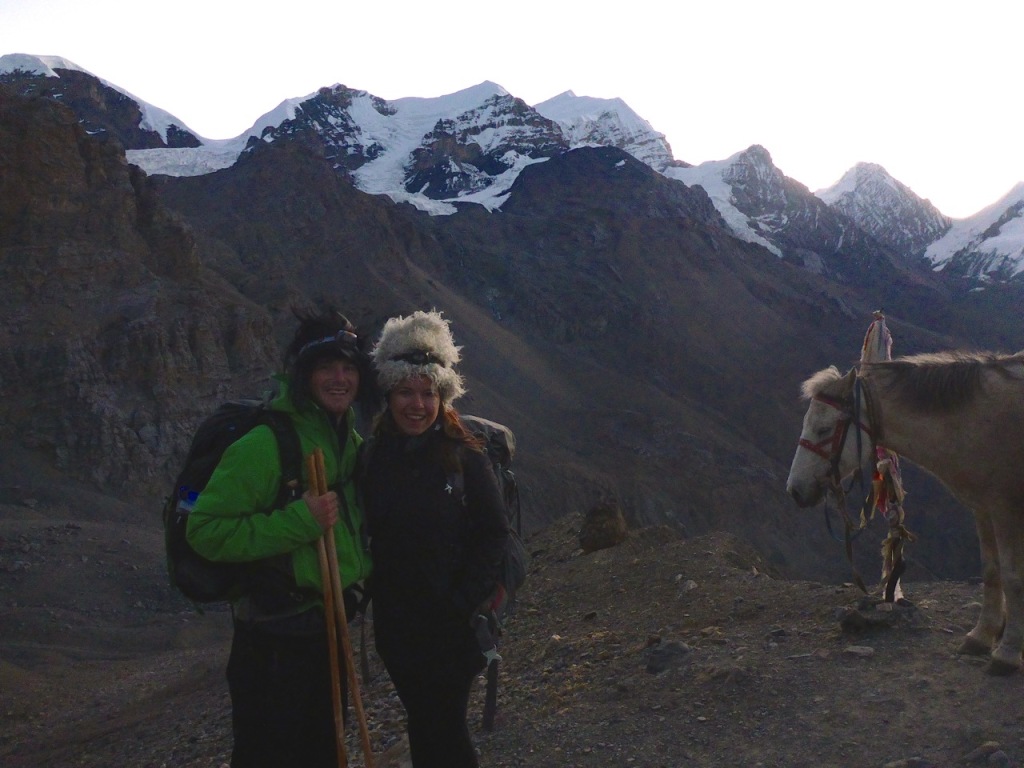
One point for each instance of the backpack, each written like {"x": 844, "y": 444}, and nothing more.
{"x": 500, "y": 446}
{"x": 199, "y": 579}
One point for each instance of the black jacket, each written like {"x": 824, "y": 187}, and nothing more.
{"x": 436, "y": 556}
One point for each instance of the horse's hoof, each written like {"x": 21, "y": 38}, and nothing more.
{"x": 999, "y": 668}
{"x": 973, "y": 647}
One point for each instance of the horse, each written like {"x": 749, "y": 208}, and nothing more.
{"x": 959, "y": 416}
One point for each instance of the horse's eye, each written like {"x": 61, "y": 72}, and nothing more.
{"x": 822, "y": 431}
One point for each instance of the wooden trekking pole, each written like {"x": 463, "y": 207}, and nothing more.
{"x": 314, "y": 469}
{"x": 327, "y": 543}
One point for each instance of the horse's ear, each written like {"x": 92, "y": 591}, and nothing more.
{"x": 849, "y": 379}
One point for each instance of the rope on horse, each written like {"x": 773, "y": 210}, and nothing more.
{"x": 887, "y": 492}
{"x": 887, "y": 496}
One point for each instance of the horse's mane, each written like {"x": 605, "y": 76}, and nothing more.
{"x": 819, "y": 382}
{"x": 940, "y": 381}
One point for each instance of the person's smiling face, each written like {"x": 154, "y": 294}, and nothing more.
{"x": 414, "y": 404}
{"x": 334, "y": 384}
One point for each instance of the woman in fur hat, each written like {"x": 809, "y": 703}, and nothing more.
{"x": 278, "y": 672}
{"x": 436, "y": 552}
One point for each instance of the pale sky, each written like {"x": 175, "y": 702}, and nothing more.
{"x": 929, "y": 89}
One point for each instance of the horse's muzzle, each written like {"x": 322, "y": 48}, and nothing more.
{"x": 801, "y": 499}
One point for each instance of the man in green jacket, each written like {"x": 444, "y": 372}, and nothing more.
{"x": 279, "y": 671}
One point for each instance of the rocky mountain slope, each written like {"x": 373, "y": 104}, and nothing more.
{"x": 108, "y": 308}
{"x": 639, "y": 349}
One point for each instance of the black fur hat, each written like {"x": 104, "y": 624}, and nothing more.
{"x": 326, "y": 334}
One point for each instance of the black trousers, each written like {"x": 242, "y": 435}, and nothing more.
{"x": 436, "y": 700}
{"x": 282, "y": 715}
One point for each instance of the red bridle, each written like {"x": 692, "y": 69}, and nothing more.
{"x": 834, "y": 442}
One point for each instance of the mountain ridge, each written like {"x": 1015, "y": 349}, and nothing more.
{"x": 440, "y": 166}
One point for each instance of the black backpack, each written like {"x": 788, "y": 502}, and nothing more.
{"x": 500, "y": 445}
{"x": 199, "y": 579}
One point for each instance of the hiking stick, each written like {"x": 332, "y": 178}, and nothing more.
{"x": 342, "y": 620}
{"x": 317, "y": 486}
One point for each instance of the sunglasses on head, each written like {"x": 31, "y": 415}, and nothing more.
{"x": 419, "y": 357}
{"x": 347, "y": 340}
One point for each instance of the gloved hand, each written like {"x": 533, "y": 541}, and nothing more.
{"x": 485, "y": 638}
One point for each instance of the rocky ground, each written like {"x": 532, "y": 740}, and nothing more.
{"x": 660, "y": 652}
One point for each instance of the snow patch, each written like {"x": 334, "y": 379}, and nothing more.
{"x": 711, "y": 176}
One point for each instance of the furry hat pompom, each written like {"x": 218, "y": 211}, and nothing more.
{"x": 419, "y": 345}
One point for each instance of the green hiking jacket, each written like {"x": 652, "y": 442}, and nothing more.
{"x": 229, "y": 522}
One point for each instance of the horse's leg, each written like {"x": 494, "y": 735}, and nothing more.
{"x": 979, "y": 641}
{"x": 1010, "y": 541}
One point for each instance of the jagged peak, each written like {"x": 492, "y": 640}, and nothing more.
{"x": 754, "y": 162}
{"x": 340, "y": 88}
{"x": 865, "y": 174}
{"x": 755, "y": 159}
{"x": 868, "y": 179}
{"x": 755, "y": 153}
{"x": 869, "y": 169}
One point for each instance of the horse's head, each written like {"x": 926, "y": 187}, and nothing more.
{"x": 828, "y": 449}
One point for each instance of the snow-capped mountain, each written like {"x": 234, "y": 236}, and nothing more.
{"x": 886, "y": 208}
{"x": 470, "y": 146}
{"x": 762, "y": 205}
{"x": 136, "y": 123}
{"x": 463, "y": 147}
{"x": 717, "y": 178}
{"x": 988, "y": 245}
{"x": 587, "y": 121}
